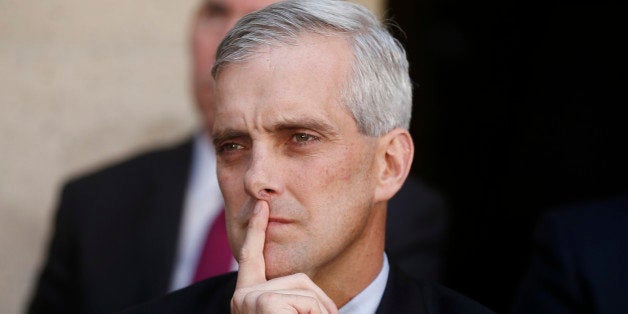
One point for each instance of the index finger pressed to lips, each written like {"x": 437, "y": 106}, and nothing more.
{"x": 252, "y": 268}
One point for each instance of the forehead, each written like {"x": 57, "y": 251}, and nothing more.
{"x": 305, "y": 78}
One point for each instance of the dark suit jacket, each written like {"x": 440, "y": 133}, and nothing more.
{"x": 580, "y": 263}
{"x": 116, "y": 230}
{"x": 402, "y": 295}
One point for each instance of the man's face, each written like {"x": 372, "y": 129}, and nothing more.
{"x": 212, "y": 22}
{"x": 283, "y": 136}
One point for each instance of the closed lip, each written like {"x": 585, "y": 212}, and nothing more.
{"x": 280, "y": 220}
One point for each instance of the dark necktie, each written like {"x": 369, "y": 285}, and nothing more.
{"x": 216, "y": 256}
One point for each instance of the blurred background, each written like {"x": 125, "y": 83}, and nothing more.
{"x": 517, "y": 110}
{"x": 82, "y": 83}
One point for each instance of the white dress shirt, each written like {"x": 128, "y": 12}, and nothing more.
{"x": 202, "y": 204}
{"x": 367, "y": 301}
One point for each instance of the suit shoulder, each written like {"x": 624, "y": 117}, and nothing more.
{"x": 212, "y": 295}
{"x": 440, "y": 299}
{"x": 591, "y": 224}
{"x": 594, "y": 214}
{"x": 130, "y": 169}
{"x": 404, "y": 294}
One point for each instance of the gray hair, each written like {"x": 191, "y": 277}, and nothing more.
{"x": 378, "y": 93}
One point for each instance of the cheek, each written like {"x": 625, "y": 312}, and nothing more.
{"x": 348, "y": 166}
{"x": 349, "y": 182}
{"x": 231, "y": 183}
{"x": 333, "y": 180}
{"x": 235, "y": 233}
{"x": 231, "y": 187}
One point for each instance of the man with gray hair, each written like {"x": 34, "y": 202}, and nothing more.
{"x": 313, "y": 103}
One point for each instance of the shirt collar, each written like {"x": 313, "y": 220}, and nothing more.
{"x": 368, "y": 300}
{"x": 203, "y": 163}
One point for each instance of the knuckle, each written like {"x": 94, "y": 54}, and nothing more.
{"x": 250, "y": 301}
{"x": 238, "y": 295}
{"x": 239, "y": 300}
{"x": 312, "y": 304}
{"x": 266, "y": 298}
{"x": 234, "y": 306}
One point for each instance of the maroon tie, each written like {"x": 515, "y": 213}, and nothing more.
{"x": 216, "y": 255}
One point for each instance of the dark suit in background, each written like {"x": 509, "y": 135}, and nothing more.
{"x": 115, "y": 235}
{"x": 116, "y": 230}
{"x": 402, "y": 295}
{"x": 580, "y": 262}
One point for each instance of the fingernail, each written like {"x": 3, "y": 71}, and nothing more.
{"x": 256, "y": 209}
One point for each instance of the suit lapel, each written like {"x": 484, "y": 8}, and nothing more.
{"x": 402, "y": 295}
{"x": 164, "y": 204}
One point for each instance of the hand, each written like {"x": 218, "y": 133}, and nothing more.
{"x": 290, "y": 294}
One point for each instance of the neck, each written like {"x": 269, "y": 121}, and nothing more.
{"x": 358, "y": 265}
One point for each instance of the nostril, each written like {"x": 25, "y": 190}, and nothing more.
{"x": 265, "y": 194}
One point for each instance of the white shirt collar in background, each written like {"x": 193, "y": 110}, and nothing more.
{"x": 202, "y": 204}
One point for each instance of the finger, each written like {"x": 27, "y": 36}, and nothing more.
{"x": 298, "y": 282}
{"x": 325, "y": 304}
{"x": 270, "y": 302}
{"x": 252, "y": 269}
{"x": 302, "y": 281}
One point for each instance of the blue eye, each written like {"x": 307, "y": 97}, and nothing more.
{"x": 230, "y": 147}
{"x": 303, "y": 137}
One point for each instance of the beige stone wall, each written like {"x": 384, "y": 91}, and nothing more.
{"x": 82, "y": 83}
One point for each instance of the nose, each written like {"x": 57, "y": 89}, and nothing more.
{"x": 262, "y": 178}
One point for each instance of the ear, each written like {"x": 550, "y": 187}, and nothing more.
{"x": 395, "y": 153}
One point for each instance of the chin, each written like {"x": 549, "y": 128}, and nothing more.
{"x": 275, "y": 272}
{"x": 280, "y": 263}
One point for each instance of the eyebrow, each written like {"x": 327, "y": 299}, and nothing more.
{"x": 305, "y": 123}
{"x": 286, "y": 124}
{"x": 227, "y": 134}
